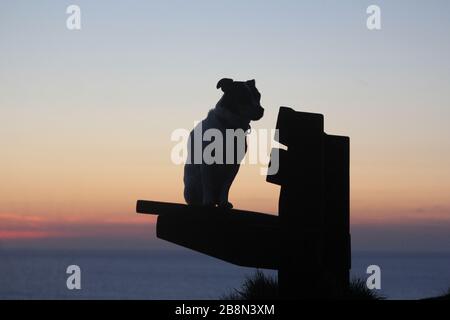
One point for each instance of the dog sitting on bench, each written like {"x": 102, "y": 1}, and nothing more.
{"x": 207, "y": 183}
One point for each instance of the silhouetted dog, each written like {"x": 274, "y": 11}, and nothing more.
{"x": 208, "y": 183}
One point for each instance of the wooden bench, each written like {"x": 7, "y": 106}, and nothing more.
{"x": 308, "y": 242}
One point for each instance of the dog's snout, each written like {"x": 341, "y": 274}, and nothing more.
{"x": 260, "y": 113}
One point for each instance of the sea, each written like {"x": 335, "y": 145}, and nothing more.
{"x": 184, "y": 274}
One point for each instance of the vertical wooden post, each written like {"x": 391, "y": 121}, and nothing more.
{"x": 301, "y": 203}
{"x": 313, "y": 207}
{"x": 337, "y": 213}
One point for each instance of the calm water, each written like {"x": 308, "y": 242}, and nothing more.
{"x": 187, "y": 275}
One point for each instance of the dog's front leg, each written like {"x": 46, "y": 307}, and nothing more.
{"x": 209, "y": 186}
{"x": 223, "y": 202}
{"x": 229, "y": 172}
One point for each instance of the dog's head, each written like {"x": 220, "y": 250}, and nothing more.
{"x": 241, "y": 98}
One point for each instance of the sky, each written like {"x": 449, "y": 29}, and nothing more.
{"x": 86, "y": 115}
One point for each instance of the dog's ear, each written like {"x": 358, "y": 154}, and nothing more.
{"x": 224, "y": 84}
{"x": 251, "y": 82}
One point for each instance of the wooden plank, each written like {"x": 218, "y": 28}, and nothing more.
{"x": 159, "y": 208}
{"x": 293, "y": 125}
{"x": 280, "y": 177}
{"x": 301, "y": 204}
{"x": 244, "y": 238}
{"x": 225, "y": 237}
{"x": 337, "y": 211}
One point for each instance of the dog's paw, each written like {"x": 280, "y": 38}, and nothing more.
{"x": 227, "y": 205}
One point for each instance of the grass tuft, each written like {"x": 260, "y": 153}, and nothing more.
{"x": 262, "y": 287}
{"x": 445, "y": 296}
{"x": 256, "y": 287}
{"x": 358, "y": 291}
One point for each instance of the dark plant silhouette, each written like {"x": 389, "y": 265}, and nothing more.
{"x": 445, "y": 296}
{"x": 256, "y": 287}
{"x": 358, "y": 291}
{"x": 262, "y": 287}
